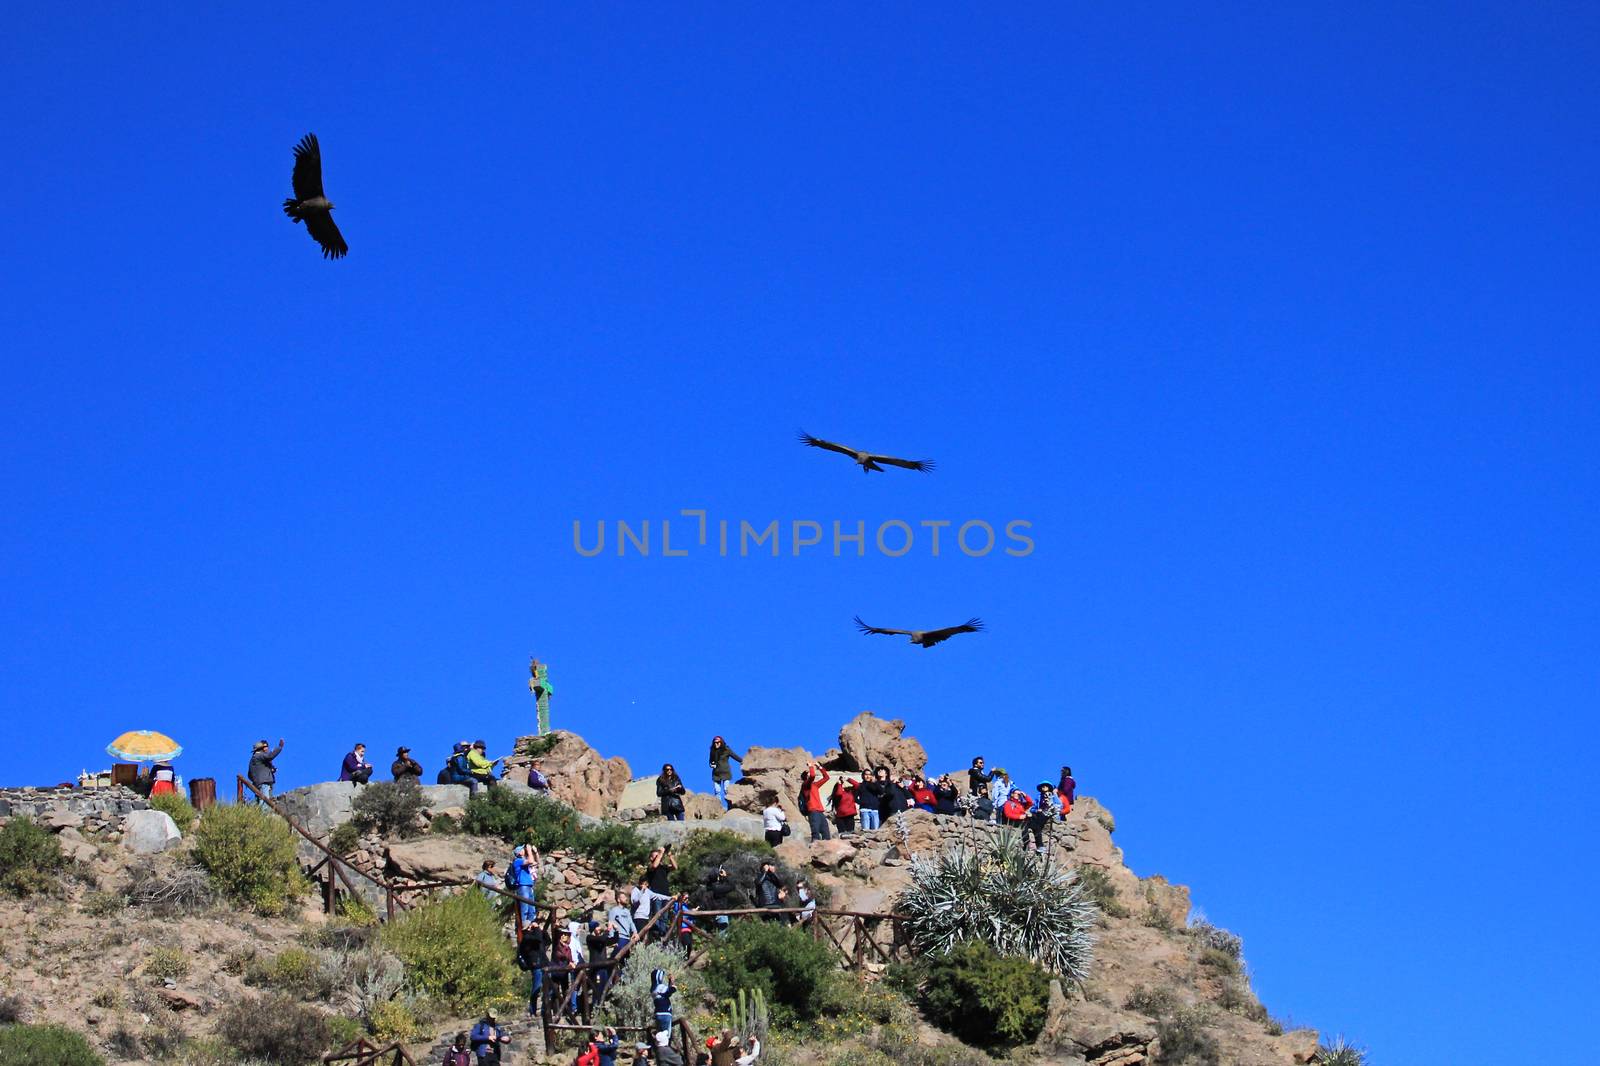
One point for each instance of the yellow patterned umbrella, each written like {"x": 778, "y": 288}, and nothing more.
{"x": 144, "y": 745}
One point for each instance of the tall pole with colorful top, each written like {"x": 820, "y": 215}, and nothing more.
{"x": 539, "y": 685}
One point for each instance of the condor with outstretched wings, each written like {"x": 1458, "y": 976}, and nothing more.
{"x": 308, "y": 204}
{"x": 868, "y": 461}
{"x": 925, "y": 638}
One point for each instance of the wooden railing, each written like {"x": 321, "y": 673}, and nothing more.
{"x": 362, "y": 1052}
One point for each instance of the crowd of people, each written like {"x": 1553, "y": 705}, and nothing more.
{"x": 831, "y": 801}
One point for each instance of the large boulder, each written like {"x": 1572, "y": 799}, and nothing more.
{"x": 442, "y": 798}
{"x": 741, "y": 822}
{"x": 579, "y": 776}
{"x": 774, "y": 769}
{"x": 443, "y": 858}
{"x": 320, "y": 808}
{"x": 870, "y": 742}
{"x": 149, "y": 832}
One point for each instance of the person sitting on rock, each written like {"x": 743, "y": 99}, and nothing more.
{"x": 813, "y": 803}
{"x": 721, "y": 772}
{"x": 1066, "y": 791}
{"x": 1043, "y": 812}
{"x": 405, "y": 769}
{"x": 356, "y": 769}
{"x": 845, "y": 807}
{"x": 670, "y": 791}
{"x": 1015, "y": 809}
{"x": 537, "y": 782}
{"x": 455, "y": 770}
{"x": 480, "y": 766}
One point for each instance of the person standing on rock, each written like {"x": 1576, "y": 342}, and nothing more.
{"x": 774, "y": 821}
{"x": 769, "y": 890}
{"x": 488, "y": 881}
{"x": 1066, "y": 791}
{"x": 946, "y": 795}
{"x": 999, "y": 792}
{"x": 533, "y": 955}
{"x": 845, "y": 807}
{"x": 522, "y": 878}
{"x": 978, "y": 779}
{"x": 356, "y": 769}
{"x": 620, "y": 920}
{"x": 643, "y": 907}
{"x": 263, "y": 773}
{"x": 405, "y": 769}
{"x": 721, "y": 772}
{"x": 487, "y": 1040}
{"x": 812, "y": 801}
{"x": 670, "y": 791}
{"x": 869, "y": 799}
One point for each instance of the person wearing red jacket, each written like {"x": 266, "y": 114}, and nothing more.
{"x": 846, "y": 806}
{"x": 1016, "y": 807}
{"x": 923, "y": 796}
{"x": 813, "y": 803}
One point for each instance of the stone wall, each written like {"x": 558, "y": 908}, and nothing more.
{"x": 93, "y": 808}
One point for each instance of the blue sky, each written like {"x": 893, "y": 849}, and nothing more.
{"x": 1277, "y": 325}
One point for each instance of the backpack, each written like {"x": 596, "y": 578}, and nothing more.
{"x": 458, "y": 762}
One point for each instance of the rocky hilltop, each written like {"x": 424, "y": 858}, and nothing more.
{"x": 1153, "y": 960}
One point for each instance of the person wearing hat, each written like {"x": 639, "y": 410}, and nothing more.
{"x": 405, "y": 769}
{"x": 480, "y": 766}
{"x": 263, "y": 774}
{"x": 521, "y": 878}
{"x": 1040, "y": 815}
{"x": 488, "y": 1039}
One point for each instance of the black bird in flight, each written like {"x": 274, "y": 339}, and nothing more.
{"x": 867, "y": 460}
{"x": 308, "y": 204}
{"x": 926, "y": 638}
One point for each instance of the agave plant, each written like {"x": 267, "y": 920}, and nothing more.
{"x": 1340, "y": 1053}
{"x": 989, "y": 887}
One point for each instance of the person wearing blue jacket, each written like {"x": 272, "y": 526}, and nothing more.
{"x": 487, "y": 1039}
{"x": 521, "y": 879}
{"x": 606, "y": 1044}
{"x": 661, "y": 989}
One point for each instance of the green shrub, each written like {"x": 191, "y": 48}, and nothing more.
{"x": 536, "y": 820}
{"x": 167, "y": 964}
{"x": 1098, "y": 887}
{"x": 1156, "y": 918}
{"x": 345, "y": 838}
{"x": 984, "y": 998}
{"x": 617, "y": 851}
{"x": 991, "y": 888}
{"x": 250, "y": 855}
{"x": 793, "y": 971}
{"x": 29, "y": 858}
{"x": 1154, "y": 1002}
{"x": 293, "y": 970}
{"x": 444, "y": 825}
{"x": 628, "y": 1002}
{"x": 392, "y": 1020}
{"x": 538, "y": 747}
{"x": 453, "y": 950}
{"x": 356, "y": 911}
{"x": 176, "y": 807}
{"x": 25, "y": 1045}
{"x": 277, "y": 1028}
{"x": 388, "y": 808}
{"x": 704, "y": 850}
{"x": 1186, "y": 1039}
{"x": 1221, "y": 961}
{"x": 1216, "y": 938}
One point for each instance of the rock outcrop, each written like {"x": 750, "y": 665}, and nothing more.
{"x": 149, "y": 832}
{"x": 869, "y": 742}
{"x": 580, "y": 776}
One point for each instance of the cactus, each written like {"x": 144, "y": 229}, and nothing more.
{"x": 747, "y": 1013}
